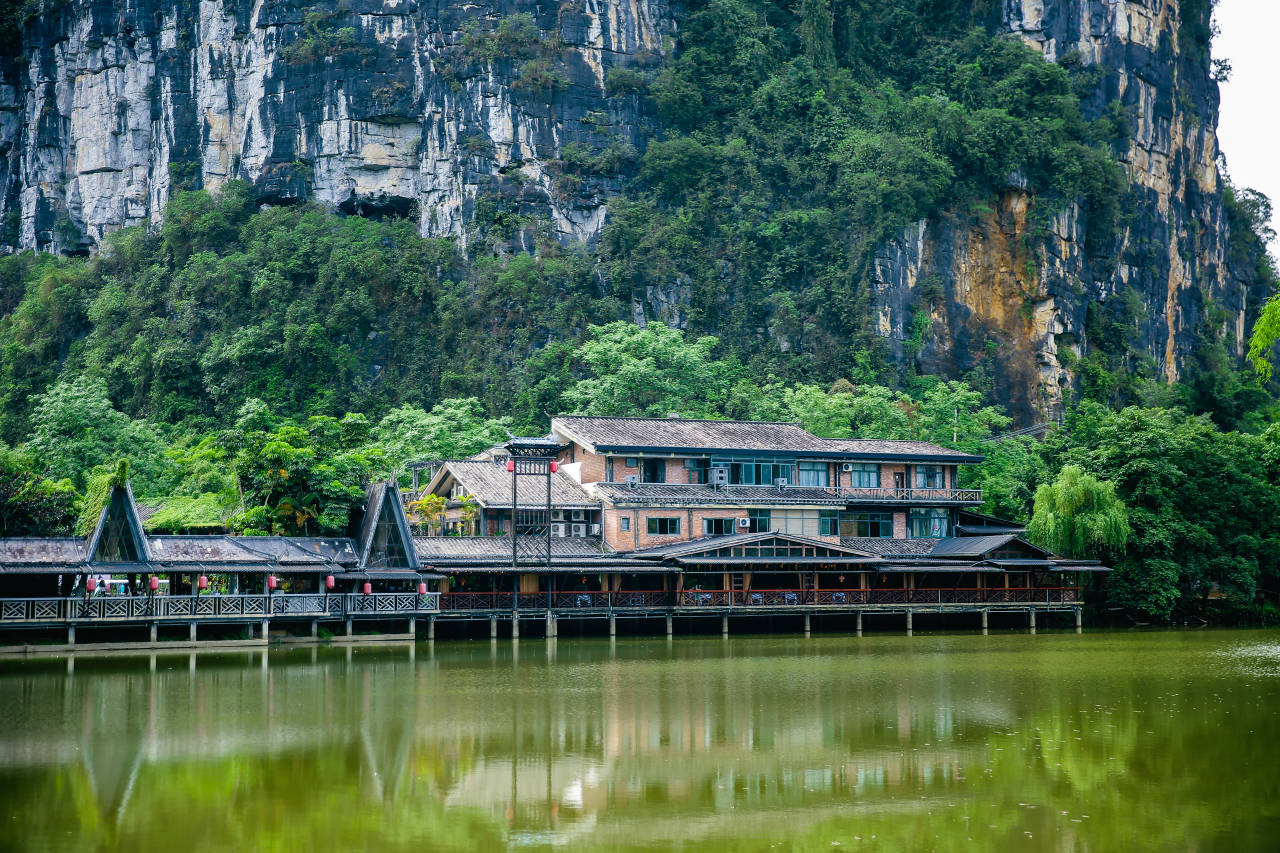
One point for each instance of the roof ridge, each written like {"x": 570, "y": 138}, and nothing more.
{"x": 682, "y": 418}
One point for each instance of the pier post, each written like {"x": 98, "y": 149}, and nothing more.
{"x": 413, "y": 626}
{"x": 153, "y": 633}
{"x": 669, "y": 627}
{"x": 1031, "y": 620}
{"x": 909, "y": 615}
{"x": 613, "y": 625}
{"x": 984, "y": 622}
{"x": 431, "y": 628}
{"x": 551, "y": 625}
{"x": 348, "y": 627}
{"x": 859, "y": 623}
{"x": 724, "y": 626}
{"x": 191, "y": 631}
{"x": 806, "y": 624}
{"x": 71, "y": 635}
{"x": 315, "y": 629}
{"x": 1078, "y": 621}
{"x": 515, "y": 627}
{"x": 493, "y": 627}
{"x": 265, "y": 626}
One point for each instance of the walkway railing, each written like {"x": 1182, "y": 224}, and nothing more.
{"x": 904, "y": 495}
{"x": 197, "y": 607}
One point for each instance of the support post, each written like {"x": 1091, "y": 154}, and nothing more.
{"x": 265, "y": 626}
{"x": 1079, "y": 623}
{"x": 669, "y": 626}
{"x": 348, "y": 626}
{"x": 153, "y": 633}
{"x": 724, "y": 626}
{"x": 806, "y": 624}
{"x": 71, "y": 635}
{"x": 493, "y": 627}
{"x": 859, "y": 623}
{"x": 315, "y": 629}
{"x": 515, "y": 626}
{"x": 984, "y": 622}
{"x": 613, "y": 625}
{"x": 191, "y": 631}
{"x": 1031, "y": 620}
{"x": 909, "y": 615}
{"x": 431, "y": 628}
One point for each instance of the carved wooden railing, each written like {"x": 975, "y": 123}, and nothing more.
{"x": 111, "y": 608}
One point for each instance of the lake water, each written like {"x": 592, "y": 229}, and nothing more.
{"x": 1101, "y": 741}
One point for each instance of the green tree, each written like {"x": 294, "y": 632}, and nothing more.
{"x": 453, "y": 429}
{"x": 1079, "y": 516}
{"x": 30, "y": 504}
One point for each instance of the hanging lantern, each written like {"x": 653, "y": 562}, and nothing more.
{"x": 367, "y": 588}
{"x": 91, "y": 583}
{"x": 511, "y": 465}
{"x": 202, "y": 582}
{"x": 153, "y": 583}
{"x": 422, "y": 588}
{"x": 328, "y": 581}
{"x": 271, "y": 581}
{"x": 555, "y": 466}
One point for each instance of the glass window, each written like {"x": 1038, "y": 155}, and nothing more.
{"x": 624, "y": 524}
{"x": 872, "y": 525}
{"x": 812, "y": 474}
{"x": 864, "y": 475}
{"x": 608, "y": 469}
{"x": 931, "y": 477}
{"x": 718, "y": 526}
{"x": 928, "y": 524}
{"x": 697, "y": 469}
{"x": 758, "y": 520}
{"x": 756, "y": 472}
{"x": 663, "y": 526}
{"x": 828, "y": 522}
{"x": 655, "y": 471}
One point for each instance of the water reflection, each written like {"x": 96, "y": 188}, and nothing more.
{"x": 1149, "y": 741}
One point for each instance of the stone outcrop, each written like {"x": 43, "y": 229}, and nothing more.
{"x": 413, "y": 106}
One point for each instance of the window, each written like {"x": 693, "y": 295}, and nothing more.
{"x": 630, "y": 462}
{"x": 871, "y": 525}
{"x": 608, "y": 469}
{"x": 718, "y": 526}
{"x": 663, "y": 526}
{"x": 931, "y": 477}
{"x": 756, "y": 472}
{"x": 864, "y": 475}
{"x": 759, "y": 520}
{"x": 828, "y": 522}
{"x": 655, "y": 471}
{"x": 697, "y": 469}
{"x": 812, "y": 474}
{"x": 928, "y": 524}
{"x": 624, "y": 524}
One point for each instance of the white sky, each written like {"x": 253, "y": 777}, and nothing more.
{"x": 1249, "y": 124}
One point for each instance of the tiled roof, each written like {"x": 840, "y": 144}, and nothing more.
{"x": 434, "y": 548}
{"x": 338, "y": 549}
{"x": 886, "y": 547}
{"x": 715, "y": 543}
{"x": 204, "y": 549}
{"x": 978, "y": 546}
{"x": 674, "y": 434}
{"x": 490, "y": 483}
{"x": 32, "y": 551}
{"x": 671, "y": 493}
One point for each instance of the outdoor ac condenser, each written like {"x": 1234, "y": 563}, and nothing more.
{"x": 579, "y": 530}
{"x": 557, "y": 530}
{"x": 718, "y": 476}
{"x": 744, "y": 522}
{"x": 595, "y": 530}
{"x": 847, "y": 467}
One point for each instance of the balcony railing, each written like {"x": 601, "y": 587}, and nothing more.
{"x": 934, "y": 496}
{"x": 197, "y": 607}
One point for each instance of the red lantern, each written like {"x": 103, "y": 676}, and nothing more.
{"x": 271, "y": 581}
{"x": 328, "y": 581}
{"x": 153, "y": 583}
{"x": 555, "y": 466}
{"x": 511, "y": 464}
{"x": 422, "y": 588}
{"x": 367, "y": 588}
{"x": 91, "y": 584}
{"x": 202, "y": 582}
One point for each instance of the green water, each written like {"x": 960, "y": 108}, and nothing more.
{"x": 1105, "y": 741}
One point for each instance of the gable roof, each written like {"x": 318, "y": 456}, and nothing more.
{"x": 709, "y": 545}
{"x": 490, "y": 484}
{"x": 384, "y": 529}
{"x": 118, "y": 533}
{"x": 974, "y": 547}
{"x": 671, "y": 435}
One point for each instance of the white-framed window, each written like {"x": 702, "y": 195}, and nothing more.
{"x": 718, "y": 526}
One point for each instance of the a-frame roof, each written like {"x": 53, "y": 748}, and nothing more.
{"x": 384, "y": 530}
{"x": 118, "y": 536}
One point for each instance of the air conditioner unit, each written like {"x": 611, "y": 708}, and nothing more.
{"x": 780, "y": 481}
{"x": 578, "y": 515}
{"x": 595, "y": 530}
{"x": 718, "y": 476}
{"x": 557, "y": 515}
{"x": 557, "y": 530}
{"x": 633, "y": 479}
{"x": 579, "y": 530}
{"x": 744, "y": 522}
{"x": 847, "y": 467}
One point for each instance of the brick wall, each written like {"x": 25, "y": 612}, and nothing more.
{"x": 899, "y": 525}
{"x": 639, "y": 537}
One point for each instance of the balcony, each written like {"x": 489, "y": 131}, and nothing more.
{"x": 908, "y": 496}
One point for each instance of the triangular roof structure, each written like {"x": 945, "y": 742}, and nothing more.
{"x": 385, "y": 540}
{"x": 118, "y": 536}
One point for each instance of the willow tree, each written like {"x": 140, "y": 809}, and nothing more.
{"x": 1078, "y": 515}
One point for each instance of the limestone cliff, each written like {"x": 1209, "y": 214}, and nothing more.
{"x": 994, "y": 284}
{"x": 405, "y": 105}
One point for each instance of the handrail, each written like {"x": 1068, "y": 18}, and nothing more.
{"x": 112, "y": 608}
{"x": 905, "y": 494}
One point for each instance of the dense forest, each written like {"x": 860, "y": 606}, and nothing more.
{"x": 255, "y": 364}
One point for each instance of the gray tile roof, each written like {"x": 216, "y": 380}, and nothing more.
{"x": 33, "y": 551}
{"x": 886, "y": 547}
{"x": 675, "y": 434}
{"x": 205, "y": 549}
{"x": 979, "y": 546}
{"x": 436, "y": 548}
{"x": 675, "y": 494}
{"x": 713, "y": 543}
{"x": 491, "y": 485}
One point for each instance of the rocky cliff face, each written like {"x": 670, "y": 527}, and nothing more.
{"x": 423, "y": 106}
{"x": 1000, "y": 285}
